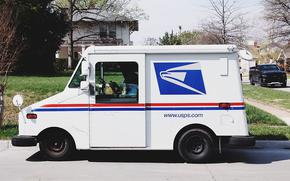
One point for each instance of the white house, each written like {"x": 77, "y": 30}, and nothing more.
{"x": 246, "y": 61}
{"x": 101, "y": 30}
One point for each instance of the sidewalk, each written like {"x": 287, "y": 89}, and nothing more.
{"x": 281, "y": 114}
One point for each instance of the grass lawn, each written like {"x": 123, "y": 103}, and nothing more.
{"x": 262, "y": 124}
{"x": 33, "y": 89}
{"x": 257, "y": 116}
{"x": 266, "y": 95}
{"x": 8, "y": 131}
{"x": 266, "y": 132}
{"x": 266, "y": 126}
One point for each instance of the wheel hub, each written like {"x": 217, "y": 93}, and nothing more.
{"x": 196, "y": 145}
{"x": 56, "y": 144}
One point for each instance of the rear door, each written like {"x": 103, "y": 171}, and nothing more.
{"x": 117, "y": 108}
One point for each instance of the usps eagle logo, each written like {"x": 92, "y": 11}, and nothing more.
{"x": 180, "y": 78}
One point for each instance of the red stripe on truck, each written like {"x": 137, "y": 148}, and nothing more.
{"x": 141, "y": 105}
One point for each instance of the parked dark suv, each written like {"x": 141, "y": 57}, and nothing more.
{"x": 267, "y": 74}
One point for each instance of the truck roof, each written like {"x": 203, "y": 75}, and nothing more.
{"x": 161, "y": 49}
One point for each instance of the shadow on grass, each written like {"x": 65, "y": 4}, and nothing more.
{"x": 249, "y": 156}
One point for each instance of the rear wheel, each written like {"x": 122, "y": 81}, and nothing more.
{"x": 196, "y": 145}
{"x": 56, "y": 145}
{"x": 252, "y": 81}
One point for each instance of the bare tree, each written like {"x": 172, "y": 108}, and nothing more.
{"x": 93, "y": 10}
{"x": 10, "y": 47}
{"x": 151, "y": 41}
{"x": 277, "y": 13}
{"x": 226, "y": 25}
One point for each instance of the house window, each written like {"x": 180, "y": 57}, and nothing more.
{"x": 117, "y": 82}
{"x": 103, "y": 31}
{"x": 112, "y": 31}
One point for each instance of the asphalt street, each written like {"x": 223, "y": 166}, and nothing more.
{"x": 269, "y": 160}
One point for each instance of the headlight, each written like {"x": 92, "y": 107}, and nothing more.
{"x": 264, "y": 75}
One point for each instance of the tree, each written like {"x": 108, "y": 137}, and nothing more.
{"x": 277, "y": 12}
{"x": 92, "y": 10}
{"x": 186, "y": 38}
{"x": 195, "y": 37}
{"x": 42, "y": 29}
{"x": 10, "y": 46}
{"x": 150, "y": 41}
{"x": 170, "y": 39}
{"x": 226, "y": 25}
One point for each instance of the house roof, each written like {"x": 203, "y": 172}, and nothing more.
{"x": 94, "y": 16}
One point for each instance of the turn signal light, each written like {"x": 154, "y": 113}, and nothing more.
{"x": 225, "y": 105}
{"x": 31, "y": 116}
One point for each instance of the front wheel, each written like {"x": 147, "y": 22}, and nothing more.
{"x": 56, "y": 145}
{"x": 261, "y": 83}
{"x": 284, "y": 84}
{"x": 196, "y": 145}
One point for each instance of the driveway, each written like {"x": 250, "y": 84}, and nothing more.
{"x": 269, "y": 160}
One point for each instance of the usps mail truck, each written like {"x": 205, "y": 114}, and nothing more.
{"x": 183, "y": 98}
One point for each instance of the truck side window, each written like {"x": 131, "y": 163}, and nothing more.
{"x": 116, "y": 82}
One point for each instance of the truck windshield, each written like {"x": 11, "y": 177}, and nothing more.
{"x": 269, "y": 67}
{"x": 77, "y": 78}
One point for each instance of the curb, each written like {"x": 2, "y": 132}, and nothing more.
{"x": 5, "y": 144}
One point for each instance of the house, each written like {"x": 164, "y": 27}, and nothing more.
{"x": 246, "y": 62}
{"x": 266, "y": 52}
{"x": 102, "y": 30}
{"x": 284, "y": 58}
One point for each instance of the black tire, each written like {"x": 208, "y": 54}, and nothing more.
{"x": 284, "y": 84}
{"x": 261, "y": 83}
{"x": 196, "y": 145}
{"x": 251, "y": 81}
{"x": 57, "y": 145}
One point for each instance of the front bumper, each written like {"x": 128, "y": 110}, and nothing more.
{"x": 24, "y": 141}
{"x": 273, "y": 80}
{"x": 241, "y": 141}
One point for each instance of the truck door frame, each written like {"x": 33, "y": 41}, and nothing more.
{"x": 132, "y": 132}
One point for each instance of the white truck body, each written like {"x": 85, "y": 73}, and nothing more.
{"x": 178, "y": 86}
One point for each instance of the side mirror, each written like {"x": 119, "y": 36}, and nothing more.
{"x": 84, "y": 85}
{"x": 85, "y": 68}
{"x": 17, "y": 101}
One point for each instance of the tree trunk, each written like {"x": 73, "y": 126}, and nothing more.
{"x": 70, "y": 51}
{"x": 70, "y": 38}
{"x": 1, "y": 105}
